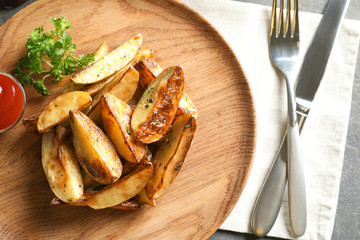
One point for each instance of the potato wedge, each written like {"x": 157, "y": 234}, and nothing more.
{"x": 124, "y": 189}
{"x": 126, "y": 87}
{"x": 95, "y": 152}
{"x": 156, "y": 109}
{"x": 148, "y": 70}
{"x": 131, "y": 204}
{"x": 116, "y": 115}
{"x": 123, "y": 89}
{"x": 57, "y": 111}
{"x": 171, "y": 154}
{"x": 109, "y": 64}
{"x": 61, "y": 168}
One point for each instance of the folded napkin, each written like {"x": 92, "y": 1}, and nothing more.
{"x": 246, "y": 28}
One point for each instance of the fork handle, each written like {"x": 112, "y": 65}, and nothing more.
{"x": 296, "y": 181}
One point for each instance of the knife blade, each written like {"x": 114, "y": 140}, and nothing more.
{"x": 268, "y": 202}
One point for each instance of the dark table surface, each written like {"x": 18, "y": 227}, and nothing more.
{"x": 347, "y": 221}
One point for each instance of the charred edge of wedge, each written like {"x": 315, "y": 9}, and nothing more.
{"x": 163, "y": 110}
{"x": 131, "y": 204}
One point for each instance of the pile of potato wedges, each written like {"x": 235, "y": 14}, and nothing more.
{"x": 116, "y": 135}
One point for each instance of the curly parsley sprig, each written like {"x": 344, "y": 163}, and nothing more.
{"x": 51, "y": 55}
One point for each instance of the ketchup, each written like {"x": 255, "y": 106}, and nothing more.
{"x": 12, "y": 101}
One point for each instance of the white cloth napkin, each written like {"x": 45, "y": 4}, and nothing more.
{"x": 246, "y": 28}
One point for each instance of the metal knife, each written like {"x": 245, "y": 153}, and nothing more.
{"x": 268, "y": 202}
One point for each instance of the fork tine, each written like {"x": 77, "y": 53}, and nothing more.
{"x": 281, "y": 19}
{"x": 296, "y": 20}
{"x": 273, "y": 21}
{"x": 288, "y": 26}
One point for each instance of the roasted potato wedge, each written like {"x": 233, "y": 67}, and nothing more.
{"x": 96, "y": 154}
{"x": 170, "y": 155}
{"x": 116, "y": 115}
{"x": 61, "y": 168}
{"x": 124, "y": 189}
{"x": 123, "y": 89}
{"x": 109, "y": 64}
{"x": 131, "y": 204}
{"x": 148, "y": 70}
{"x": 156, "y": 109}
{"x": 126, "y": 87}
{"x": 57, "y": 111}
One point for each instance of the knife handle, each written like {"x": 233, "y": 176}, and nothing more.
{"x": 268, "y": 202}
{"x": 296, "y": 181}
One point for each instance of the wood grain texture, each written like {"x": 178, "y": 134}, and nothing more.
{"x": 218, "y": 163}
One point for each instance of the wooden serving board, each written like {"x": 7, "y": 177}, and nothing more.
{"x": 218, "y": 163}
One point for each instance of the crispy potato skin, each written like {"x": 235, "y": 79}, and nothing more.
{"x": 116, "y": 115}
{"x": 148, "y": 70}
{"x": 122, "y": 190}
{"x": 162, "y": 113}
{"x": 61, "y": 168}
{"x": 57, "y": 111}
{"x": 95, "y": 152}
{"x": 170, "y": 156}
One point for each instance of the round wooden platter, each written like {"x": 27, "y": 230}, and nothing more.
{"x": 216, "y": 167}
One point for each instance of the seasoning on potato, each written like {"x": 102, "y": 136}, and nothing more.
{"x": 156, "y": 109}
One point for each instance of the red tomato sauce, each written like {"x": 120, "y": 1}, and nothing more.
{"x": 11, "y": 102}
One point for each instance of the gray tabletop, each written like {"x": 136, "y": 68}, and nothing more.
{"x": 347, "y": 221}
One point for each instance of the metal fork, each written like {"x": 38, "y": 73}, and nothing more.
{"x": 284, "y": 50}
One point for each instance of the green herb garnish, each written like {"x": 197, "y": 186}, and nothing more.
{"x": 177, "y": 167}
{"x": 49, "y": 55}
